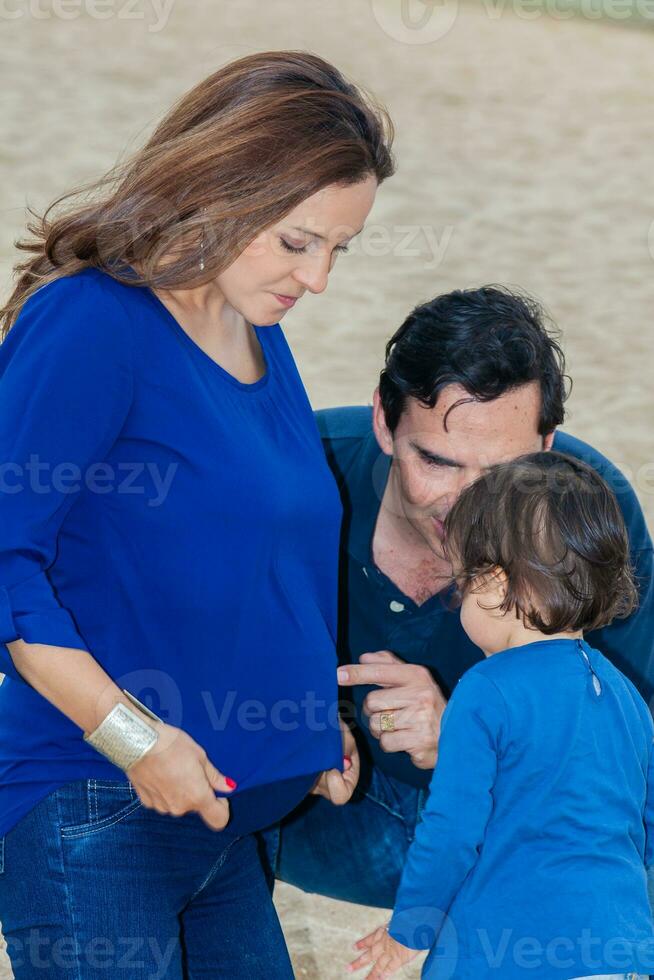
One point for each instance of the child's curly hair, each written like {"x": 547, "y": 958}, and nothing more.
{"x": 553, "y": 525}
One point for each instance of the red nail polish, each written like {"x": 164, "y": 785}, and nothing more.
{"x": 230, "y": 782}
{"x": 346, "y": 758}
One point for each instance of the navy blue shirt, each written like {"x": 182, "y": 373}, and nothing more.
{"x": 178, "y": 524}
{"x": 375, "y": 614}
{"x": 530, "y": 857}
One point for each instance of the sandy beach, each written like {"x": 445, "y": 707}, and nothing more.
{"x": 524, "y": 158}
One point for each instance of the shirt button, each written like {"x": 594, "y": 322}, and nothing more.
{"x": 397, "y": 606}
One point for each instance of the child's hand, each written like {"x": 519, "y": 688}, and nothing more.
{"x": 384, "y": 953}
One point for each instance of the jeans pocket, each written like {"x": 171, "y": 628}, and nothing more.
{"x": 97, "y": 805}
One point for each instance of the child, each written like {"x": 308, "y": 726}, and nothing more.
{"x": 530, "y": 857}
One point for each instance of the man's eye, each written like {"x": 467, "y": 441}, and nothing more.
{"x": 292, "y": 248}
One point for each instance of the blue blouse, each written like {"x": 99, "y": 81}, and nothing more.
{"x": 178, "y": 524}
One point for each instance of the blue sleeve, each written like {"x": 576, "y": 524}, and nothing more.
{"x": 649, "y": 810}
{"x": 474, "y": 729}
{"x": 65, "y": 389}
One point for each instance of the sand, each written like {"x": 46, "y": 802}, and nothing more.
{"x": 524, "y": 151}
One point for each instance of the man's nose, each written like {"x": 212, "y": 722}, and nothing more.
{"x": 446, "y": 505}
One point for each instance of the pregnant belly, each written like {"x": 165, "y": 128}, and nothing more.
{"x": 261, "y": 806}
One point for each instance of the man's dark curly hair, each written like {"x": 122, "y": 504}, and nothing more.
{"x": 487, "y": 340}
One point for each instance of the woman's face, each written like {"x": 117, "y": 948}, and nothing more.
{"x": 296, "y": 254}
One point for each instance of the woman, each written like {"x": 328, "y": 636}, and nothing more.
{"x": 169, "y": 533}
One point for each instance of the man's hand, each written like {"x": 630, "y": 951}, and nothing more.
{"x": 337, "y": 786}
{"x": 383, "y": 952}
{"x": 411, "y": 693}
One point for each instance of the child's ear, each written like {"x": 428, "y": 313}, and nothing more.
{"x": 497, "y": 585}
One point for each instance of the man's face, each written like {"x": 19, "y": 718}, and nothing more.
{"x": 432, "y": 464}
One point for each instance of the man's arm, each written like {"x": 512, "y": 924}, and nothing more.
{"x": 629, "y": 643}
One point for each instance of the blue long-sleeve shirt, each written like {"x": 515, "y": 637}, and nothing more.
{"x": 179, "y": 525}
{"x": 530, "y": 857}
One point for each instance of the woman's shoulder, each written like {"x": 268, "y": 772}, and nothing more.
{"x": 85, "y": 303}
{"x": 90, "y": 287}
{"x": 70, "y": 318}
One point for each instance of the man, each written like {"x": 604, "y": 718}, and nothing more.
{"x": 471, "y": 378}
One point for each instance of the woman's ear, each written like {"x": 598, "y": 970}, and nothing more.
{"x": 382, "y": 433}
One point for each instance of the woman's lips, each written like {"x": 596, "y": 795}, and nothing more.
{"x": 286, "y": 301}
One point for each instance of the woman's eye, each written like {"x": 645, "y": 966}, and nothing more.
{"x": 292, "y": 248}
{"x": 299, "y": 249}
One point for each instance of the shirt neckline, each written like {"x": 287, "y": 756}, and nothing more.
{"x": 570, "y": 641}
{"x": 202, "y": 354}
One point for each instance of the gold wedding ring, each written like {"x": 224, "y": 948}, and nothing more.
{"x": 387, "y": 721}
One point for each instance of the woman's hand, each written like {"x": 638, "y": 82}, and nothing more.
{"x": 176, "y": 776}
{"x": 337, "y": 786}
{"x": 383, "y": 952}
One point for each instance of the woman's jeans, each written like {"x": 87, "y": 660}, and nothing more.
{"x": 94, "y": 884}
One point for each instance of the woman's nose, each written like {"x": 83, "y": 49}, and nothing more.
{"x": 315, "y": 277}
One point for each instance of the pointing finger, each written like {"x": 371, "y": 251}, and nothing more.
{"x": 380, "y": 656}
{"x": 382, "y": 674}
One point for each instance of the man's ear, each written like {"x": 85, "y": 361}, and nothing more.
{"x": 548, "y": 440}
{"x": 382, "y": 433}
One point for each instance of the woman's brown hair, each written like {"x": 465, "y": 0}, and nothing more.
{"x": 554, "y": 527}
{"x": 231, "y": 157}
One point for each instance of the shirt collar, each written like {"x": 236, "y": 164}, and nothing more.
{"x": 366, "y": 491}
{"x": 570, "y": 641}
